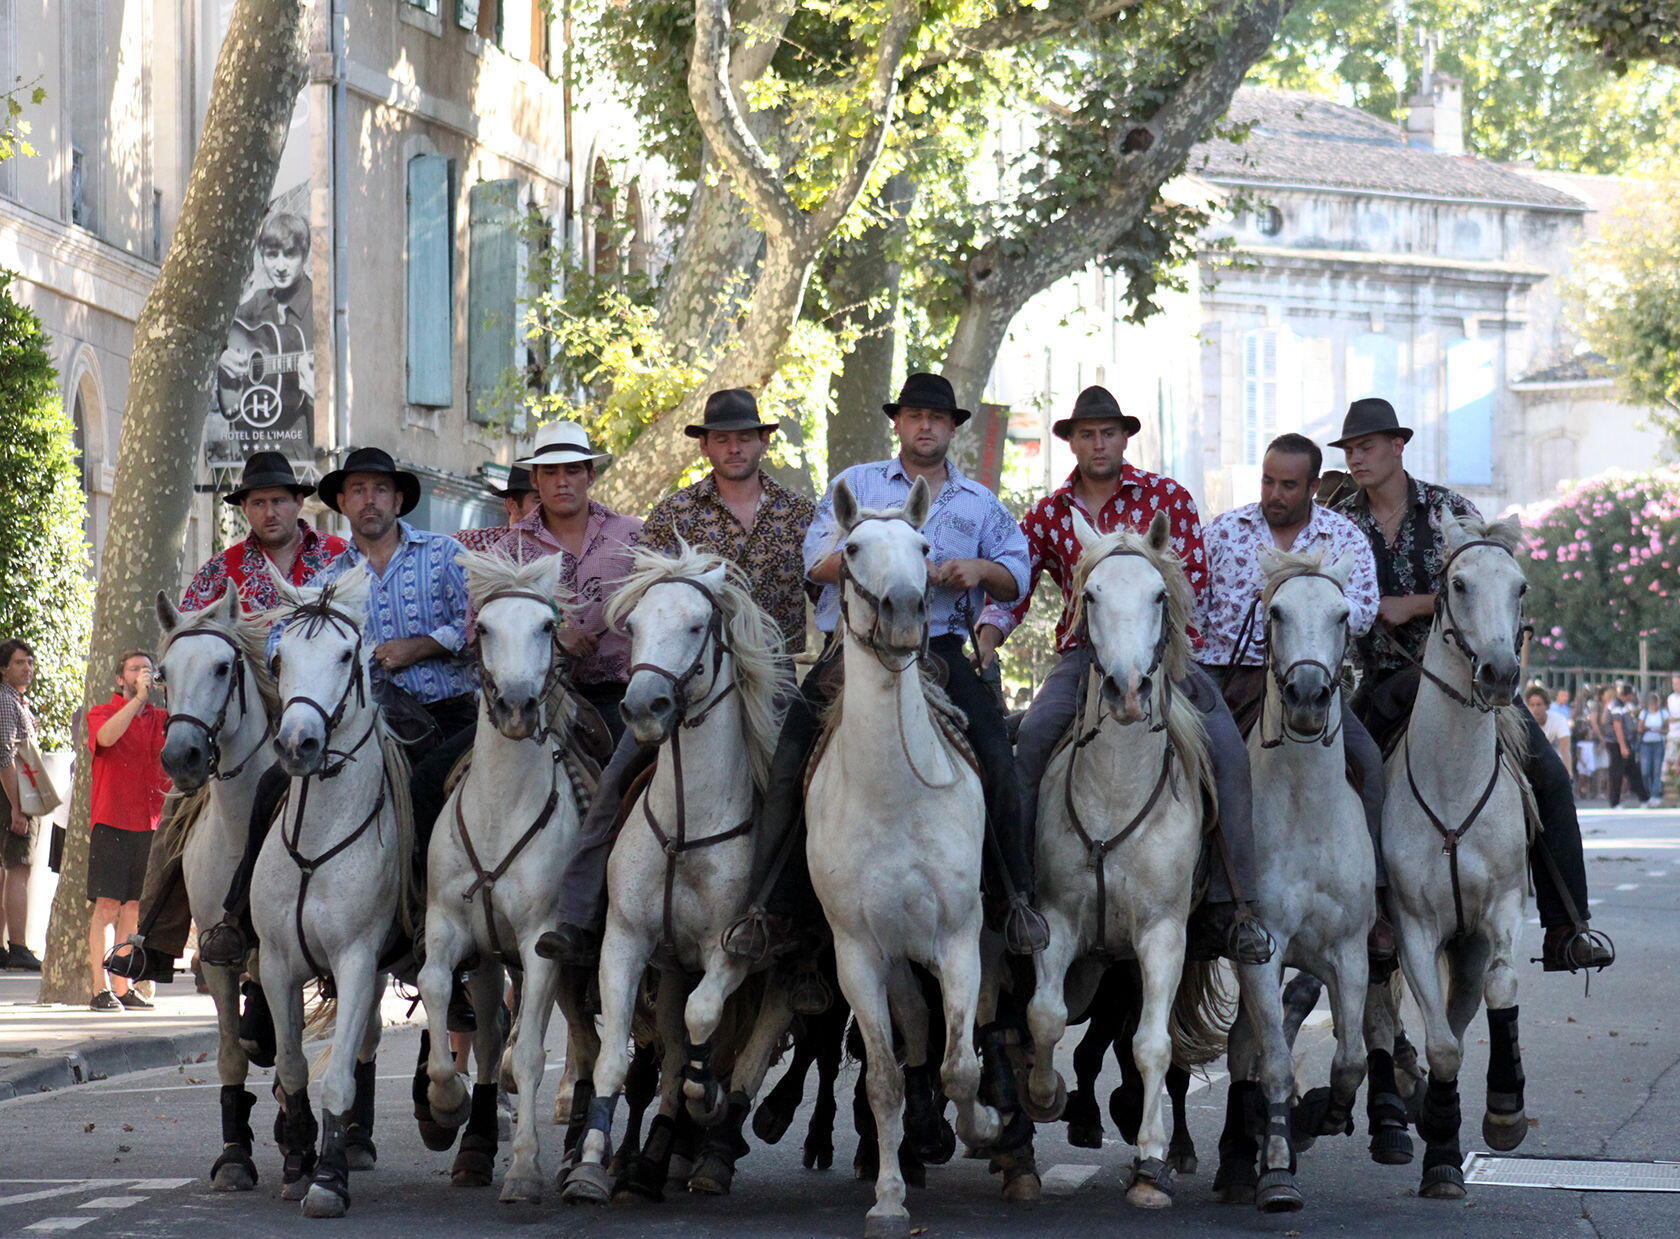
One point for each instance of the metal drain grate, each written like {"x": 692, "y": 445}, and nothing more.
{"x": 1579, "y": 1175}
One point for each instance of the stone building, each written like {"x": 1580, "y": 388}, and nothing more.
{"x": 439, "y": 149}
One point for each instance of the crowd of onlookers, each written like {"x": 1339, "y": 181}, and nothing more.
{"x": 1614, "y": 742}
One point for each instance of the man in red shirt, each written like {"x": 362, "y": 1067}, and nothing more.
{"x": 126, "y": 739}
{"x": 1112, "y": 494}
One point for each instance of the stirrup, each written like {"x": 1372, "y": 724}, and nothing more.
{"x": 139, "y": 962}
{"x": 1025, "y": 931}
{"x": 1581, "y": 950}
{"x": 809, "y": 992}
{"x": 1251, "y": 952}
{"x": 749, "y": 937}
{"x": 223, "y": 945}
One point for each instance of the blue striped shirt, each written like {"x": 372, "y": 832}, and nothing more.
{"x": 966, "y": 521}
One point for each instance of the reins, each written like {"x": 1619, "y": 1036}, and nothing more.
{"x": 235, "y": 689}
{"x": 1331, "y": 729}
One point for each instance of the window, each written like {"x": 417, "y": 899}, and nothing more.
{"x": 483, "y": 17}
{"x": 1373, "y": 369}
{"x": 493, "y": 323}
{"x": 1470, "y": 388}
{"x": 78, "y": 188}
{"x": 1269, "y": 220}
{"x": 466, "y": 14}
{"x": 604, "y": 245}
{"x": 425, "y": 6}
{"x": 431, "y": 324}
{"x": 1259, "y": 392}
{"x": 540, "y": 50}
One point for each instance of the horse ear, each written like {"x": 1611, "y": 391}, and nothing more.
{"x": 1270, "y": 560}
{"x": 1452, "y": 533}
{"x": 845, "y": 506}
{"x": 717, "y": 576}
{"x": 549, "y": 581}
{"x": 1341, "y": 571}
{"x": 1160, "y": 532}
{"x": 228, "y": 605}
{"x": 1086, "y": 532}
{"x": 168, "y": 616}
{"x": 916, "y": 507}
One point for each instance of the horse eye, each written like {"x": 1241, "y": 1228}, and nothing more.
{"x": 344, "y": 657}
{"x": 1458, "y": 584}
{"x": 1161, "y": 597}
{"x": 925, "y": 547}
{"x": 221, "y": 669}
{"x": 548, "y": 626}
{"x": 850, "y": 550}
{"x": 694, "y": 629}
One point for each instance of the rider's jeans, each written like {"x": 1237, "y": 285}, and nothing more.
{"x": 1052, "y": 712}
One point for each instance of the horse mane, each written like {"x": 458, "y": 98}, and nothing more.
{"x": 1507, "y": 534}
{"x": 1287, "y": 566}
{"x": 755, "y": 641}
{"x": 491, "y": 572}
{"x": 249, "y": 635}
{"x": 1180, "y": 600}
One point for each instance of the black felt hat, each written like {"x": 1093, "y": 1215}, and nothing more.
{"x": 928, "y": 391}
{"x": 1096, "y": 404}
{"x": 263, "y": 470}
{"x": 518, "y": 483}
{"x": 371, "y": 460}
{"x": 734, "y": 408}
{"x": 1371, "y": 416}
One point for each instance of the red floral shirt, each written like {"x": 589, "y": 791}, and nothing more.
{"x": 247, "y": 566}
{"x": 1053, "y": 547}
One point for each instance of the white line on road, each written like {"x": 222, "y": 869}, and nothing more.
{"x": 69, "y": 1187}
{"x": 59, "y": 1223}
{"x": 112, "y": 1202}
{"x": 1628, "y": 886}
{"x": 1067, "y": 1178}
{"x": 156, "y": 1185}
{"x": 1656, "y": 873}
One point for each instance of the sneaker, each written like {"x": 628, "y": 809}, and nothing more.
{"x": 105, "y": 1000}
{"x": 21, "y": 957}
{"x": 133, "y": 1001}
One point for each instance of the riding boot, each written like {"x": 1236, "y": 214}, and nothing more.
{"x": 1558, "y": 868}
{"x": 256, "y": 1026}
{"x": 149, "y": 954}
{"x": 228, "y": 941}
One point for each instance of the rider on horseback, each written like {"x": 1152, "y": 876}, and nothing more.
{"x": 1122, "y": 495}
{"x": 1401, "y": 516}
{"x": 281, "y": 546}
{"x": 737, "y": 512}
{"x": 1233, "y": 635}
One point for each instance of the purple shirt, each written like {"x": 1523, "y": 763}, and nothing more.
{"x": 592, "y": 578}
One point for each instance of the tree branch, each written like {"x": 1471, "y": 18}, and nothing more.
{"x": 1020, "y": 24}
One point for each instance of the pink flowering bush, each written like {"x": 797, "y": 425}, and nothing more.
{"x": 1602, "y": 570}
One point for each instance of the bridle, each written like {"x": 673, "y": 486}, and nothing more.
{"x": 1331, "y": 729}
{"x": 557, "y": 663}
{"x": 235, "y": 691}
{"x": 1157, "y": 719}
{"x": 675, "y": 842}
{"x": 315, "y": 615}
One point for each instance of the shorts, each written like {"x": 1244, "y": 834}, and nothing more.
{"x": 117, "y": 863}
{"x": 1586, "y": 757}
{"x": 17, "y": 850}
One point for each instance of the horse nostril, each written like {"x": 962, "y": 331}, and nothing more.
{"x": 660, "y": 704}
{"x": 1321, "y": 695}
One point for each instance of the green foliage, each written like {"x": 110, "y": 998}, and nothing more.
{"x": 45, "y": 594}
{"x": 1532, "y": 89}
{"x": 1627, "y": 300}
{"x": 1601, "y": 571}
{"x": 1622, "y": 32}
{"x": 14, "y": 130}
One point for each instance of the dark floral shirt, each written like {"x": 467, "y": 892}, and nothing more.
{"x": 1411, "y": 564}
{"x": 768, "y": 553}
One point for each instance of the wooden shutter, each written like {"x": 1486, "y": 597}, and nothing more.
{"x": 431, "y": 326}
{"x": 466, "y": 14}
{"x": 492, "y": 290}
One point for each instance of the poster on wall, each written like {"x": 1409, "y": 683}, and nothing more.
{"x": 263, "y": 391}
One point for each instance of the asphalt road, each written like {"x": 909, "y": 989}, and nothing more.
{"x": 130, "y": 1156}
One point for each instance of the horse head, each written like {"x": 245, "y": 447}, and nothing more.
{"x": 1125, "y": 606}
{"x": 321, "y": 667}
{"x": 516, "y": 627}
{"x": 884, "y": 569}
{"x": 1479, "y": 608}
{"x": 1306, "y": 616}
{"x": 677, "y": 650}
{"x": 206, "y": 688}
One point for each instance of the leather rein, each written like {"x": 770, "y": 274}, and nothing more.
{"x": 675, "y": 842}
{"x": 235, "y": 691}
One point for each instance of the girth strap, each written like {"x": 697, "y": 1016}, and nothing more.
{"x": 484, "y": 880}
{"x": 676, "y": 844}
{"x": 308, "y": 866}
{"x": 1450, "y": 836}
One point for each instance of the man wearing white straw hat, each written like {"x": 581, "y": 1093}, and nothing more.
{"x": 594, "y": 544}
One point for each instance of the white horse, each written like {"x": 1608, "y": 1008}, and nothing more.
{"x": 1120, "y": 829}
{"x": 1316, "y": 882}
{"x": 1454, "y": 787}
{"x": 508, "y": 828}
{"x": 334, "y": 872}
{"x": 216, "y": 745}
{"x": 703, "y": 686}
{"x": 896, "y": 824}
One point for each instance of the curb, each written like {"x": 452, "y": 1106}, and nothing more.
{"x": 101, "y": 1059}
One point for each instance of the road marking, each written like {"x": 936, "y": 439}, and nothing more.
{"x": 1628, "y": 886}
{"x": 68, "y": 1187}
{"x": 59, "y": 1223}
{"x": 156, "y": 1185}
{"x": 112, "y": 1202}
{"x": 1067, "y": 1178}
{"x": 1656, "y": 873}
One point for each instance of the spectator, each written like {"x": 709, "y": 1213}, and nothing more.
{"x": 1556, "y": 731}
{"x": 1621, "y": 737}
{"x": 1653, "y": 737}
{"x": 1585, "y": 734}
{"x": 17, "y": 841}
{"x": 1673, "y": 757}
{"x": 126, "y": 739}
{"x": 1560, "y": 710}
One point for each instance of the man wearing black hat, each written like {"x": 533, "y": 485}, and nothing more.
{"x": 737, "y": 512}
{"x": 281, "y": 547}
{"x": 519, "y": 499}
{"x": 1402, "y": 516}
{"x": 1112, "y": 494}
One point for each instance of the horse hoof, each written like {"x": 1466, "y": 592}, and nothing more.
{"x": 321, "y": 1201}
{"x": 523, "y": 1191}
{"x": 1148, "y": 1196}
{"x": 1277, "y": 1193}
{"x": 1442, "y": 1183}
{"x": 709, "y": 1108}
{"x": 1025, "y": 1188}
{"x": 713, "y": 1176}
{"x": 887, "y": 1225}
{"x": 446, "y": 1113}
{"x": 1050, "y": 1111}
{"x": 819, "y": 1156}
{"x": 361, "y": 1156}
{"x": 1391, "y": 1146}
{"x": 234, "y": 1171}
{"x": 1152, "y": 1184}
{"x": 1182, "y": 1161}
{"x": 1504, "y": 1132}
{"x": 587, "y": 1184}
{"x": 770, "y": 1123}
{"x": 473, "y": 1168}
{"x": 296, "y": 1190}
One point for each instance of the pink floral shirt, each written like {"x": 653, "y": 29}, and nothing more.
{"x": 1236, "y": 580}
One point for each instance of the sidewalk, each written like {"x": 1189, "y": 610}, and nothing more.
{"x": 51, "y": 1046}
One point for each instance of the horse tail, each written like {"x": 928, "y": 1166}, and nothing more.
{"x": 184, "y": 811}
{"x": 411, "y": 904}
{"x": 1201, "y": 1015}
{"x": 319, "y": 1015}
{"x": 1511, "y": 728}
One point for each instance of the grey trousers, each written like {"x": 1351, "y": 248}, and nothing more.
{"x": 1052, "y": 712}
{"x": 583, "y": 886}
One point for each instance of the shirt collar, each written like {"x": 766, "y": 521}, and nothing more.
{"x": 410, "y": 535}
{"x": 308, "y": 538}
{"x": 954, "y": 475}
{"x": 1131, "y": 478}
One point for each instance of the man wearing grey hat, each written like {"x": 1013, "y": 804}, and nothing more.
{"x": 1402, "y": 517}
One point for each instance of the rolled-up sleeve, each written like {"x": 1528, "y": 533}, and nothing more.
{"x": 819, "y": 535}
{"x": 1363, "y": 593}
{"x": 451, "y": 634}
{"x": 1005, "y": 544}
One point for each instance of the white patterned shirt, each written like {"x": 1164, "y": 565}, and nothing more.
{"x": 1236, "y": 579}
